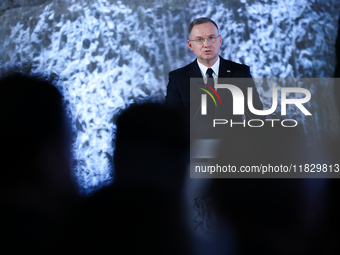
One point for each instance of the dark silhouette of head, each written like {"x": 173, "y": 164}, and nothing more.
{"x": 37, "y": 189}
{"x": 152, "y": 146}
{"x": 34, "y": 133}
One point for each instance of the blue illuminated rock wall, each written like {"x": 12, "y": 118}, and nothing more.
{"x": 109, "y": 54}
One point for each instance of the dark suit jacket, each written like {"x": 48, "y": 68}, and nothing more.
{"x": 178, "y": 90}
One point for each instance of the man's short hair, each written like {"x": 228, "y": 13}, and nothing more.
{"x": 200, "y": 21}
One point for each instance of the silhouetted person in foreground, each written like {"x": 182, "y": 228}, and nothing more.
{"x": 140, "y": 212}
{"x": 36, "y": 185}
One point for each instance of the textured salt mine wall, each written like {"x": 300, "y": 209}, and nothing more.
{"x": 109, "y": 54}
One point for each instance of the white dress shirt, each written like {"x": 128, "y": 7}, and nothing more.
{"x": 204, "y": 69}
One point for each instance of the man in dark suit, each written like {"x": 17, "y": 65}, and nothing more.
{"x": 205, "y": 42}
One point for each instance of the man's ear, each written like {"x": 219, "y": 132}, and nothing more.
{"x": 190, "y": 46}
{"x": 220, "y": 39}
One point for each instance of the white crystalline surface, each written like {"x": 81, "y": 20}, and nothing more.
{"x": 109, "y": 54}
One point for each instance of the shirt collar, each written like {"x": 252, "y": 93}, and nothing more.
{"x": 204, "y": 68}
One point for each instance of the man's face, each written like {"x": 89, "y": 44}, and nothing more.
{"x": 206, "y": 53}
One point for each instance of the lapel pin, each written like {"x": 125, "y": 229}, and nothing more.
{"x": 228, "y": 71}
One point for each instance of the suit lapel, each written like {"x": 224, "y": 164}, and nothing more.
{"x": 194, "y": 71}
{"x": 224, "y": 71}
